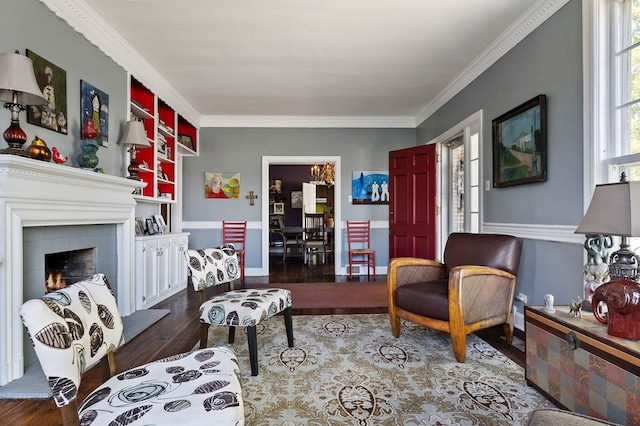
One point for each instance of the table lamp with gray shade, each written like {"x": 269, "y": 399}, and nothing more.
{"x": 615, "y": 210}
{"x": 135, "y": 136}
{"x": 18, "y": 88}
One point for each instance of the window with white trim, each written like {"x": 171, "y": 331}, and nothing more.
{"x": 622, "y": 150}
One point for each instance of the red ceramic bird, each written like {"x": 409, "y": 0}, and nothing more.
{"x": 57, "y": 157}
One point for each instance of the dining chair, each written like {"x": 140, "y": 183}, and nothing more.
{"x": 79, "y": 326}
{"x": 235, "y": 308}
{"x": 235, "y": 232}
{"x": 315, "y": 237}
{"x": 360, "y": 251}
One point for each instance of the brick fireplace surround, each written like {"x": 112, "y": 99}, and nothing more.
{"x": 33, "y": 194}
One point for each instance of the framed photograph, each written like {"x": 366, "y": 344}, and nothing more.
{"x": 140, "y": 226}
{"x": 52, "y": 80}
{"x": 151, "y": 230}
{"x": 296, "y": 199}
{"x": 186, "y": 141}
{"x": 278, "y": 208}
{"x": 94, "y": 106}
{"x": 370, "y": 187}
{"x": 162, "y": 226}
{"x": 520, "y": 144}
{"x": 275, "y": 186}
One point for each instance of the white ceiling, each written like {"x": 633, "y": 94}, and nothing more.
{"x": 312, "y": 58}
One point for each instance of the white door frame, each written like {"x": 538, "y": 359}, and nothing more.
{"x": 337, "y": 196}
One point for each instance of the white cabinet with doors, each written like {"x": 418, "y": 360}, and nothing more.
{"x": 160, "y": 267}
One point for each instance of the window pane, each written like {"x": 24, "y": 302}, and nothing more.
{"x": 474, "y": 199}
{"x": 632, "y": 171}
{"x": 635, "y": 22}
{"x": 475, "y": 223}
{"x": 474, "y": 173}
{"x": 627, "y": 23}
{"x": 629, "y": 128}
{"x": 629, "y": 76}
{"x": 474, "y": 142}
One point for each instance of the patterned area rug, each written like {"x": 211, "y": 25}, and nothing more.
{"x": 350, "y": 370}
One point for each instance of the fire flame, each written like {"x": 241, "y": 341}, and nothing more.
{"x": 54, "y": 281}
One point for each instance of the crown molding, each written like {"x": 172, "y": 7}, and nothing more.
{"x": 97, "y": 31}
{"x": 387, "y": 122}
{"x": 84, "y": 20}
{"x": 538, "y": 13}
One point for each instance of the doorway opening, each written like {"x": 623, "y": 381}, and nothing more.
{"x": 267, "y": 161}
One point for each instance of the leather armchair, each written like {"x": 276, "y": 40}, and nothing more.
{"x": 472, "y": 290}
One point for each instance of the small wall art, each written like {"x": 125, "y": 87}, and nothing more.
{"x": 94, "y": 106}
{"x": 52, "y": 80}
{"x": 296, "y": 199}
{"x": 278, "y": 208}
{"x": 221, "y": 185}
{"x": 370, "y": 187}
{"x": 520, "y": 144}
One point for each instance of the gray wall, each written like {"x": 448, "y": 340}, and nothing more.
{"x": 241, "y": 150}
{"x": 28, "y": 24}
{"x": 548, "y": 61}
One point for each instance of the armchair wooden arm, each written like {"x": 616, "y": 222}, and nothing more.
{"x": 479, "y": 297}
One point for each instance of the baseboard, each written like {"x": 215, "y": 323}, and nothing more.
{"x": 518, "y": 319}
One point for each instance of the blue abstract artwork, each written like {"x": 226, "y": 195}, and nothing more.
{"x": 370, "y": 187}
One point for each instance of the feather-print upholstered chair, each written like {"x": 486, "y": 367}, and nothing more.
{"x": 78, "y": 326}
{"x": 235, "y": 308}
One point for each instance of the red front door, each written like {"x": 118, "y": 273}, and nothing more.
{"x": 412, "y": 208}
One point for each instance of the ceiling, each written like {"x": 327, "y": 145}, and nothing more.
{"x": 329, "y": 58}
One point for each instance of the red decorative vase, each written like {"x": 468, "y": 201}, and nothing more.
{"x": 89, "y": 130}
{"x": 622, "y": 298}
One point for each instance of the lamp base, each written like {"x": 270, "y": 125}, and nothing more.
{"x": 625, "y": 264}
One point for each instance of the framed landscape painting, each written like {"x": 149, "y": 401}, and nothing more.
{"x": 520, "y": 144}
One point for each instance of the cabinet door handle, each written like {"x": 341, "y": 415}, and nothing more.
{"x": 573, "y": 341}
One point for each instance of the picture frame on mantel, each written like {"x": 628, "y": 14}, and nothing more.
{"x": 520, "y": 144}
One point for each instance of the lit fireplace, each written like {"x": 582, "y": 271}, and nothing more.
{"x": 68, "y": 267}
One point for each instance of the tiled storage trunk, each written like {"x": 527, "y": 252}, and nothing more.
{"x": 600, "y": 377}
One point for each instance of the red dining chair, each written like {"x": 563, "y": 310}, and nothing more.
{"x": 235, "y": 232}
{"x": 360, "y": 251}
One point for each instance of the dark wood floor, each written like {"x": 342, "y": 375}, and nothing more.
{"x": 178, "y": 332}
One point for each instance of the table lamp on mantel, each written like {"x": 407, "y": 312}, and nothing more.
{"x": 134, "y": 137}
{"x": 18, "y": 88}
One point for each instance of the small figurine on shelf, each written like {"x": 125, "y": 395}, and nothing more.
{"x": 575, "y": 308}
{"x": 58, "y": 157}
{"x": 88, "y": 159}
{"x": 548, "y": 304}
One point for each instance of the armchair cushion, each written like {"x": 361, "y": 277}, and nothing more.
{"x": 425, "y": 299}
{"x": 497, "y": 251}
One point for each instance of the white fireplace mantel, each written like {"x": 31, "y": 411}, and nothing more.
{"x": 36, "y": 193}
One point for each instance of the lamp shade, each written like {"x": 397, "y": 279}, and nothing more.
{"x": 134, "y": 134}
{"x": 614, "y": 210}
{"x": 16, "y": 76}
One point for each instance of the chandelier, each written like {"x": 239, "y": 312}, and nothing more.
{"x": 324, "y": 174}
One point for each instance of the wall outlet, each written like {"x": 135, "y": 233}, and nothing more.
{"x": 521, "y": 297}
